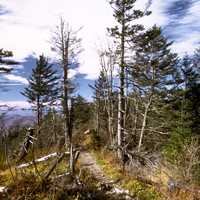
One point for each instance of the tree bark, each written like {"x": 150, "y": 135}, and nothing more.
{"x": 121, "y": 105}
{"x": 66, "y": 95}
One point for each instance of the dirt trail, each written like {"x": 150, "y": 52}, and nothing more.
{"x": 87, "y": 161}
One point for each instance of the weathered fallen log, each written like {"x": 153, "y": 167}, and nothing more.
{"x": 40, "y": 160}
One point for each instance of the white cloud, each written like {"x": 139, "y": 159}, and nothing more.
{"x": 16, "y": 104}
{"x": 187, "y": 44}
{"x": 157, "y": 7}
{"x": 193, "y": 14}
{"x": 29, "y": 27}
{"x": 16, "y": 78}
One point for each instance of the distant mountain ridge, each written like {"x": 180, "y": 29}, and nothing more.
{"x": 13, "y": 120}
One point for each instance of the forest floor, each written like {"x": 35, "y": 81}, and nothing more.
{"x": 108, "y": 173}
{"x": 87, "y": 161}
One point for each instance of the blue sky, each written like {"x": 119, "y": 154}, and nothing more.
{"x": 27, "y": 25}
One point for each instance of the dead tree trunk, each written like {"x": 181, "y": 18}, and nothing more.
{"x": 67, "y": 45}
{"x": 70, "y": 129}
{"x": 135, "y": 118}
{"x": 147, "y": 106}
{"x": 107, "y": 60}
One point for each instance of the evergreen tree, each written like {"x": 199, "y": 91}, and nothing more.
{"x": 191, "y": 93}
{"x": 124, "y": 34}
{"x": 42, "y": 90}
{"x": 100, "y": 94}
{"x": 153, "y": 72}
{"x": 196, "y": 59}
{"x": 82, "y": 114}
{"x": 183, "y": 110}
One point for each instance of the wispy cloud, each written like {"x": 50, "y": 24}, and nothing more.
{"x": 32, "y": 32}
{"x": 15, "y": 104}
{"x": 183, "y": 25}
{"x": 15, "y": 78}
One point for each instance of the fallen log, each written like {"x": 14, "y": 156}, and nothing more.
{"x": 40, "y": 160}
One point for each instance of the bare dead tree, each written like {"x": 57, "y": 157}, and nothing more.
{"x": 67, "y": 46}
{"x": 107, "y": 62}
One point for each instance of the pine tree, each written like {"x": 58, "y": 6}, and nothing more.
{"x": 82, "y": 114}
{"x": 191, "y": 92}
{"x": 196, "y": 59}
{"x": 42, "y": 90}
{"x": 153, "y": 71}
{"x": 183, "y": 110}
{"x": 100, "y": 94}
{"x": 125, "y": 34}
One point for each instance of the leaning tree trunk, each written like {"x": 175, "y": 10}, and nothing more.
{"x": 135, "y": 118}
{"x": 147, "y": 106}
{"x": 110, "y": 108}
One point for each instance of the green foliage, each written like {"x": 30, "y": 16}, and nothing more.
{"x": 100, "y": 90}
{"x": 185, "y": 115}
{"x": 43, "y": 83}
{"x": 125, "y": 13}
{"x": 142, "y": 191}
{"x": 175, "y": 144}
{"x": 96, "y": 141}
{"x": 82, "y": 113}
{"x": 43, "y": 87}
{"x": 154, "y": 67}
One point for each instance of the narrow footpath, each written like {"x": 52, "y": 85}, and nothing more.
{"x": 87, "y": 161}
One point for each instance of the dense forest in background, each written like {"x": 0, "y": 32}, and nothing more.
{"x": 145, "y": 110}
